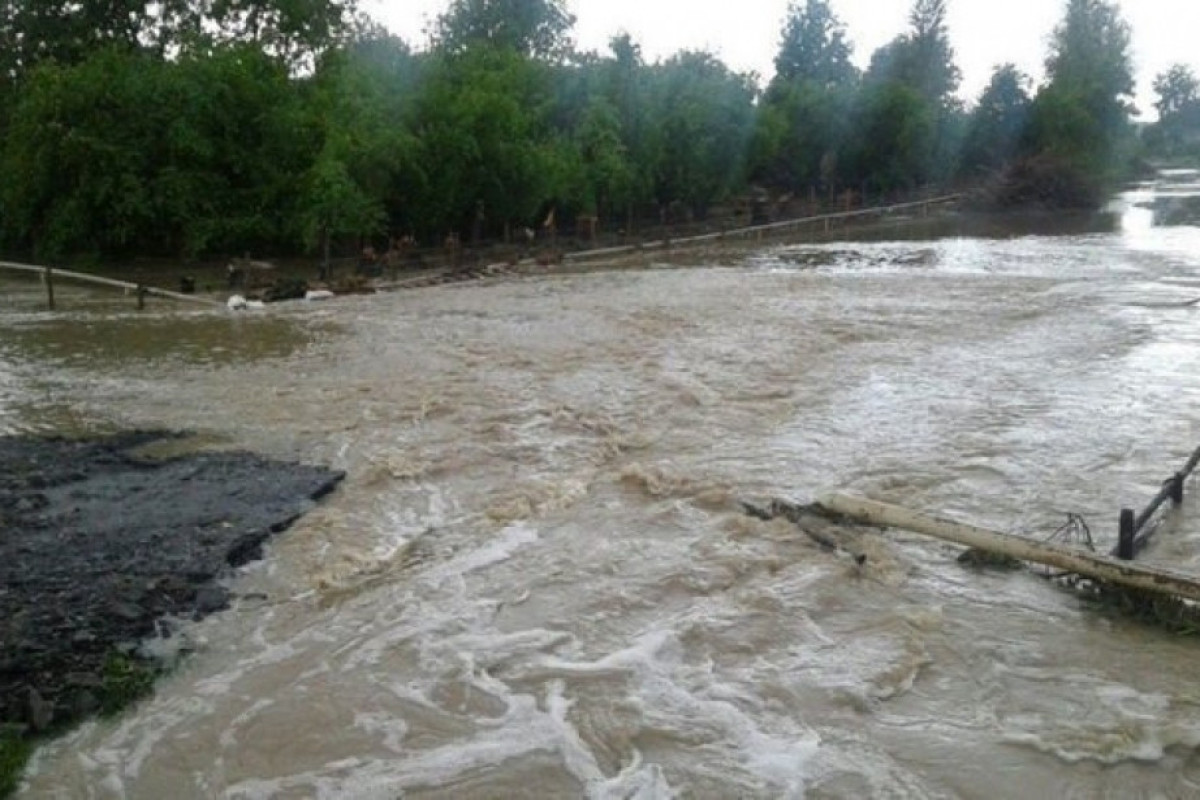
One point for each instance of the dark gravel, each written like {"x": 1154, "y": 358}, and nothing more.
{"x": 98, "y": 545}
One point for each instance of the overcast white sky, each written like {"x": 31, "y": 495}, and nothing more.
{"x": 745, "y": 33}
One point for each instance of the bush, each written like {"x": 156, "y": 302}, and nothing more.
{"x": 1045, "y": 183}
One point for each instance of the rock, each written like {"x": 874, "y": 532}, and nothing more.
{"x": 86, "y": 680}
{"x": 30, "y": 503}
{"x": 247, "y": 548}
{"x": 210, "y": 599}
{"x": 85, "y": 703}
{"x": 39, "y": 711}
{"x": 126, "y": 611}
{"x": 286, "y": 289}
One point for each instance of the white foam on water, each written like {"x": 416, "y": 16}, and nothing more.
{"x": 501, "y": 548}
{"x": 1120, "y": 724}
{"x": 676, "y": 696}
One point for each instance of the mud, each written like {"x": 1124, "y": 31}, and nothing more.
{"x": 102, "y": 545}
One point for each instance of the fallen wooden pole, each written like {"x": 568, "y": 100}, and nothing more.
{"x": 1081, "y": 562}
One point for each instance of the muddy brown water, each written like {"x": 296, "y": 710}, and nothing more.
{"x": 537, "y": 582}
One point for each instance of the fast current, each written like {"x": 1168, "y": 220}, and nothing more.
{"x": 538, "y": 580}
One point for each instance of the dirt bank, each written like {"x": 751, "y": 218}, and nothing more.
{"x": 98, "y": 545}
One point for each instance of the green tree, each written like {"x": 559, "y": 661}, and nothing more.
{"x": 536, "y": 28}
{"x": 799, "y": 136}
{"x": 235, "y": 151}
{"x": 297, "y": 31}
{"x": 360, "y": 104}
{"x": 909, "y": 103}
{"x": 1177, "y": 132}
{"x": 922, "y": 58}
{"x": 998, "y": 122}
{"x": 66, "y": 32}
{"x": 930, "y": 67}
{"x": 485, "y": 140}
{"x": 34, "y": 31}
{"x": 124, "y": 152}
{"x": 1178, "y": 91}
{"x": 606, "y": 175}
{"x": 626, "y": 88}
{"x": 893, "y": 144}
{"x": 1082, "y": 115}
{"x": 801, "y": 119}
{"x": 814, "y": 48}
{"x": 703, "y": 121}
{"x": 77, "y": 157}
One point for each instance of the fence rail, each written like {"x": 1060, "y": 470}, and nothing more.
{"x": 141, "y": 291}
{"x": 825, "y": 220}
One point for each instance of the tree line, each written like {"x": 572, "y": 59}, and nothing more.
{"x": 181, "y": 128}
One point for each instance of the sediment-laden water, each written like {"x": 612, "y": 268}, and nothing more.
{"x": 537, "y": 580}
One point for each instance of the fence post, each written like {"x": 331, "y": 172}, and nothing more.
{"x": 48, "y": 279}
{"x": 141, "y": 297}
{"x": 1177, "y": 489}
{"x": 1125, "y": 539}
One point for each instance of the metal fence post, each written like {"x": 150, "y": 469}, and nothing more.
{"x": 1125, "y": 540}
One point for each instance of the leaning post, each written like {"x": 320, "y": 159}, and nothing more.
{"x": 1125, "y": 537}
{"x": 141, "y": 297}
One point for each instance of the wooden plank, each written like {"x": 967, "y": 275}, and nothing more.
{"x": 1081, "y": 562}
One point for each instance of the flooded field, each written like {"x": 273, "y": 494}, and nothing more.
{"x": 537, "y": 580}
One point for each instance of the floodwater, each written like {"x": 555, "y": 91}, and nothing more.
{"x": 537, "y": 580}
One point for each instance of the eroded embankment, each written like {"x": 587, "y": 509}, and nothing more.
{"x": 99, "y": 544}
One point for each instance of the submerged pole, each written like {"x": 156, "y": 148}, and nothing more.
{"x": 48, "y": 279}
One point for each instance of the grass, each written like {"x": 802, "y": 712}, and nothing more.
{"x": 123, "y": 681}
{"x": 15, "y": 750}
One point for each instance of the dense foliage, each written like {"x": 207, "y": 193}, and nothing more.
{"x": 1176, "y": 136}
{"x": 180, "y": 128}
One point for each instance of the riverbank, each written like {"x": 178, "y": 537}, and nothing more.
{"x": 103, "y": 547}
{"x": 416, "y": 267}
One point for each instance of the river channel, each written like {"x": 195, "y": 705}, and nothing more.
{"x": 537, "y": 580}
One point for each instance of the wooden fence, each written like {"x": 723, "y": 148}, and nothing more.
{"x": 140, "y": 291}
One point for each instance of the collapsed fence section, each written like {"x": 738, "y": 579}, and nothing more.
{"x": 1134, "y": 530}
